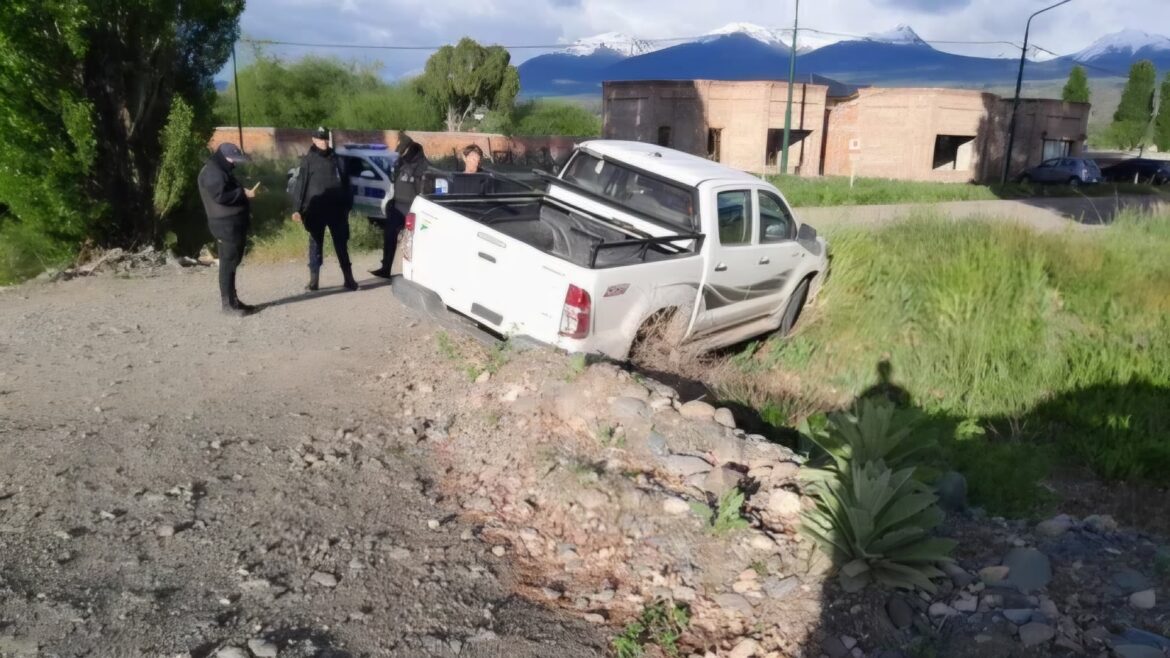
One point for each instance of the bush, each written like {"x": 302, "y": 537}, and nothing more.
{"x": 546, "y": 117}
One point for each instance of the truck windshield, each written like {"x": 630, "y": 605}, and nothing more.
{"x": 632, "y": 189}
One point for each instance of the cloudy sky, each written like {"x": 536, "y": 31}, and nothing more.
{"x": 537, "y": 22}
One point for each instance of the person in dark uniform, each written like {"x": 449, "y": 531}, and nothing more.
{"x": 408, "y": 183}
{"x": 322, "y": 199}
{"x": 226, "y": 203}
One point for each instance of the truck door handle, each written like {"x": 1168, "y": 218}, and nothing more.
{"x": 765, "y": 260}
{"x": 720, "y": 268}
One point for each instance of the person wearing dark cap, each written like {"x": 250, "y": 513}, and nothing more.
{"x": 322, "y": 199}
{"x": 408, "y": 183}
{"x": 226, "y": 203}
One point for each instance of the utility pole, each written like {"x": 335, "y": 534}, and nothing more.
{"x": 1011, "y": 140}
{"x": 236, "y": 84}
{"x": 791, "y": 83}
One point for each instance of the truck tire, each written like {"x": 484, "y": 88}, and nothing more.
{"x": 793, "y": 309}
{"x": 659, "y": 339}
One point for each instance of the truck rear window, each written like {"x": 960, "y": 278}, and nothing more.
{"x": 632, "y": 189}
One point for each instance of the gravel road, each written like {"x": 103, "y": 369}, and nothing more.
{"x": 177, "y": 482}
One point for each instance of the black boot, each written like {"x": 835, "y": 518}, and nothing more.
{"x": 383, "y": 272}
{"x": 347, "y": 272}
{"x": 314, "y": 280}
{"x": 232, "y": 308}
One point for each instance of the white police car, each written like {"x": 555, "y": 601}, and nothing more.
{"x": 369, "y": 167}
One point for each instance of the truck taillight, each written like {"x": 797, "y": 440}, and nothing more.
{"x": 408, "y": 238}
{"x": 576, "y": 314}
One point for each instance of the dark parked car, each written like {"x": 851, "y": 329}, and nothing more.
{"x": 1156, "y": 172}
{"x": 1067, "y": 171}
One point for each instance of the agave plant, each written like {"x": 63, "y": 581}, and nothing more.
{"x": 876, "y": 522}
{"x": 874, "y": 430}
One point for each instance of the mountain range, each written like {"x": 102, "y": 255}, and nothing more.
{"x": 743, "y": 51}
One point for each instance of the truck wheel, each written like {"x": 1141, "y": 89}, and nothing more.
{"x": 795, "y": 306}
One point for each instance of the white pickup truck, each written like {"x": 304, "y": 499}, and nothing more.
{"x": 627, "y": 235}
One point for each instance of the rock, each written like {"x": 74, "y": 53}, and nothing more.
{"x": 1055, "y": 526}
{"x": 683, "y": 593}
{"x": 1136, "y": 636}
{"x": 747, "y": 648}
{"x": 724, "y": 417}
{"x": 165, "y": 530}
{"x": 1143, "y": 600}
{"x": 721, "y": 480}
{"x": 262, "y": 648}
{"x": 1018, "y": 616}
{"x": 697, "y": 410}
{"x": 940, "y": 609}
{"x": 433, "y": 524}
{"x": 900, "y": 612}
{"x": 1030, "y": 570}
{"x": 784, "y": 503}
{"x": 1034, "y": 634}
{"x": 762, "y": 543}
{"x": 1100, "y": 524}
{"x": 993, "y": 575}
{"x": 952, "y": 491}
{"x": 779, "y": 589}
{"x": 1048, "y": 608}
{"x": 1137, "y": 651}
{"x": 676, "y": 506}
{"x": 734, "y": 603}
{"x": 1130, "y": 581}
{"x": 966, "y": 604}
{"x": 499, "y": 551}
{"x": 627, "y": 408}
{"x": 594, "y": 618}
{"x": 958, "y": 575}
{"x": 324, "y": 579}
{"x": 480, "y": 504}
{"x": 656, "y": 444}
{"x": 685, "y": 465}
{"x": 592, "y": 499}
{"x": 850, "y": 643}
{"x": 231, "y": 652}
{"x": 834, "y": 648}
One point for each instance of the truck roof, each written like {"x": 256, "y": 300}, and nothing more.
{"x": 682, "y": 167}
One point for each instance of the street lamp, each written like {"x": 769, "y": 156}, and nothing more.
{"x": 791, "y": 82}
{"x": 1007, "y": 161}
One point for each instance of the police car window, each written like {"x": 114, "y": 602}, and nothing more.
{"x": 776, "y": 222}
{"x": 382, "y": 162}
{"x": 355, "y": 167}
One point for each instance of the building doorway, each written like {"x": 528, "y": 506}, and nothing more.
{"x": 953, "y": 152}
{"x": 715, "y": 144}
{"x": 776, "y": 145}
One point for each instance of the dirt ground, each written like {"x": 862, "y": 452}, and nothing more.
{"x": 176, "y": 482}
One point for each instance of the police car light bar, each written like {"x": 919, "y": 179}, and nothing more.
{"x": 368, "y": 147}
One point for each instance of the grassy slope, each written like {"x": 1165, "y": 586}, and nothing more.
{"x": 1024, "y": 345}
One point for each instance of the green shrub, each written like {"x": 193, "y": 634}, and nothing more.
{"x": 876, "y": 522}
{"x": 546, "y": 117}
{"x": 874, "y": 431}
{"x": 725, "y": 516}
{"x": 661, "y": 624}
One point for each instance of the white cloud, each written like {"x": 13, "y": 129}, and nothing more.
{"x": 431, "y": 22}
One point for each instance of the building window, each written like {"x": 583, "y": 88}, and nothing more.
{"x": 1056, "y": 148}
{"x": 664, "y": 136}
{"x": 953, "y": 152}
{"x": 715, "y": 144}
{"x": 776, "y": 145}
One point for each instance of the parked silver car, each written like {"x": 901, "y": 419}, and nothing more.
{"x": 1064, "y": 171}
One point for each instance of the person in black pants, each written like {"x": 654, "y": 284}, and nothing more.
{"x": 408, "y": 183}
{"x": 322, "y": 200}
{"x": 226, "y": 203}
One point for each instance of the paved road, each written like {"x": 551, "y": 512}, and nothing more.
{"x": 1041, "y": 214}
{"x": 173, "y": 481}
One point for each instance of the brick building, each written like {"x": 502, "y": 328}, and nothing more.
{"x": 915, "y": 134}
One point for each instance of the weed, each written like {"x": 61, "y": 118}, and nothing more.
{"x": 577, "y": 365}
{"x": 760, "y": 567}
{"x": 608, "y": 436}
{"x": 661, "y": 624}
{"x": 725, "y": 515}
{"x": 447, "y": 347}
{"x": 493, "y": 419}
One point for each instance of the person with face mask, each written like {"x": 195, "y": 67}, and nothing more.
{"x": 322, "y": 199}
{"x": 228, "y": 208}
{"x": 408, "y": 183}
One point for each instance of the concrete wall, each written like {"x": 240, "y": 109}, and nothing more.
{"x": 743, "y": 112}
{"x": 288, "y": 143}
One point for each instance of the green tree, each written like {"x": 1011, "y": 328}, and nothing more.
{"x": 1076, "y": 90}
{"x": 86, "y": 87}
{"x": 1162, "y": 122}
{"x": 549, "y": 117}
{"x": 1131, "y": 122}
{"x": 459, "y": 79}
{"x": 184, "y": 149}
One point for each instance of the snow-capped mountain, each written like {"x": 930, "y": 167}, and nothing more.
{"x": 622, "y": 44}
{"x": 902, "y": 35}
{"x": 1126, "y": 42}
{"x": 765, "y": 35}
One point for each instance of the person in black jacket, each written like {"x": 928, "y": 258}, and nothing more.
{"x": 408, "y": 183}
{"x": 322, "y": 200}
{"x": 228, "y": 216}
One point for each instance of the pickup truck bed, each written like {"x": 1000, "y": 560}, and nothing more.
{"x": 570, "y": 234}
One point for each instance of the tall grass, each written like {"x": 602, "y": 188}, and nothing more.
{"x": 1027, "y": 344}
{"x": 837, "y": 191}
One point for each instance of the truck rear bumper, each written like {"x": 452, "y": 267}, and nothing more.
{"x": 429, "y": 304}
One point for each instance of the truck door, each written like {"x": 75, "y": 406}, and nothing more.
{"x": 781, "y": 254}
{"x": 739, "y": 280}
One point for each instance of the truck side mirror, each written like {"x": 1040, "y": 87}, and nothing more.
{"x": 806, "y": 233}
